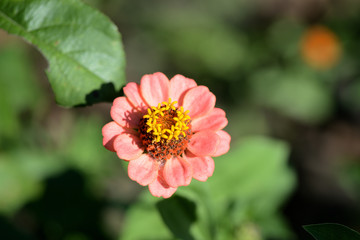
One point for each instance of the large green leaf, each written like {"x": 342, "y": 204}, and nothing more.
{"x": 332, "y": 231}
{"x": 83, "y": 47}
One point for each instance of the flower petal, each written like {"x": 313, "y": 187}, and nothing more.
{"x": 132, "y": 91}
{"x": 203, "y": 167}
{"x": 160, "y": 189}
{"x": 215, "y": 120}
{"x": 179, "y": 86}
{"x": 143, "y": 170}
{"x": 155, "y": 88}
{"x": 199, "y": 101}
{"x": 224, "y": 143}
{"x": 211, "y": 166}
{"x": 177, "y": 172}
{"x": 203, "y": 143}
{"x": 124, "y": 114}
{"x": 110, "y": 131}
{"x": 128, "y": 146}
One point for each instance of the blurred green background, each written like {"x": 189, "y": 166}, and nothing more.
{"x": 287, "y": 73}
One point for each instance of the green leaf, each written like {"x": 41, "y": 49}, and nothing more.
{"x": 253, "y": 166}
{"x": 250, "y": 183}
{"x": 143, "y": 221}
{"x": 178, "y": 217}
{"x": 82, "y": 46}
{"x": 198, "y": 193}
{"x": 331, "y": 231}
{"x": 178, "y": 213}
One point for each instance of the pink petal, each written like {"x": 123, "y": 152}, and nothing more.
{"x": 178, "y": 87}
{"x": 155, "y": 88}
{"x": 110, "y": 131}
{"x": 143, "y": 170}
{"x": 177, "y": 172}
{"x": 160, "y": 189}
{"x": 203, "y": 167}
{"x": 204, "y": 143}
{"x": 128, "y": 146}
{"x": 211, "y": 166}
{"x": 124, "y": 114}
{"x": 132, "y": 91}
{"x": 224, "y": 143}
{"x": 215, "y": 120}
{"x": 199, "y": 101}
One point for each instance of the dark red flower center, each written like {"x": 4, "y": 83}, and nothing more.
{"x": 165, "y": 131}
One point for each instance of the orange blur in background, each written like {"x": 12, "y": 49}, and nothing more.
{"x": 320, "y": 48}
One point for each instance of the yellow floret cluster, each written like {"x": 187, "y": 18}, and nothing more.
{"x": 165, "y": 125}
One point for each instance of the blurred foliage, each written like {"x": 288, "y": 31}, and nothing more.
{"x": 239, "y": 201}
{"x": 58, "y": 182}
{"x": 31, "y": 153}
{"x": 15, "y": 71}
{"x": 294, "y": 92}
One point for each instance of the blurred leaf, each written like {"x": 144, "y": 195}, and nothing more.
{"x": 285, "y": 36}
{"x": 83, "y": 47}
{"x": 248, "y": 231}
{"x": 250, "y": 183}
{"x": 179, "y": 214}
{"x": 9, "y": 123}
{"x": 204, "y": 228}
{"x": 350, "y": 96}
{"x": 179, "y": 217}
{"x": 16, "y": 186}
{"x": 349, "y": 177}
{"x": 36, "y": 164}
{"x": 84, "y": 149}
{"x": 18, "y": 89}
{"x": 297, "y": 93}
{"x": 245, "y": 121}
{"x": 143, "y": 222}
{"x": 201, "y": 42}
{"x": 24, "y": 168}
{"x": 332, "y": 231}
{"x": 249, "y": 168}
{"x": 22, "y": 172}
{"x": 217, "y": 49}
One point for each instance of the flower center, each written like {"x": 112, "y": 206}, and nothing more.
{"x": 165, "y": 130}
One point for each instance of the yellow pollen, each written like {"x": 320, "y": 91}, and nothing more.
{"x": 164, "y": 126}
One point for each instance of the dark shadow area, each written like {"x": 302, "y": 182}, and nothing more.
{"x": 9, "y": 231}
{"x": 106, "y": 93}
{"x": 66, "y": 210}
{"x": 320, "y": 195}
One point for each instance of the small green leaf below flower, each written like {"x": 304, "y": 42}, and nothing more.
{"x": 178, "y": 213}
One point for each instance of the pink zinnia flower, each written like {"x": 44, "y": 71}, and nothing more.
{"x": 168, "y": 131}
